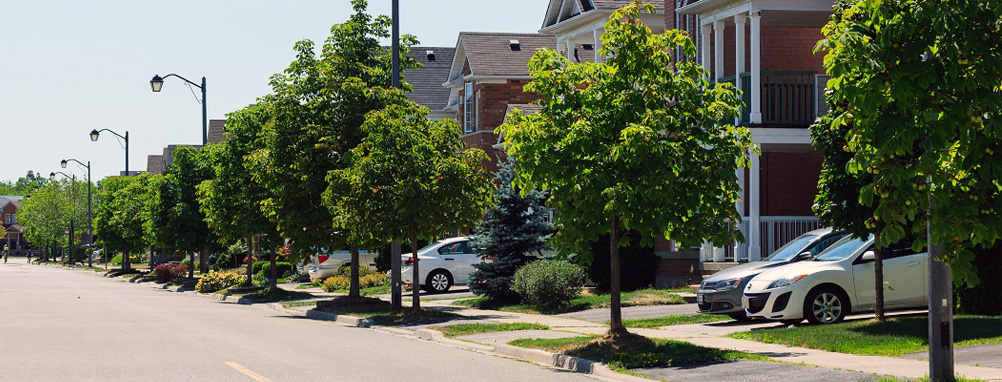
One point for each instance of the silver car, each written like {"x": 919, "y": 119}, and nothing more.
{"x": 721, "y": 292}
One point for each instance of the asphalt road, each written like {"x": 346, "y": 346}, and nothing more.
{"x": 63, "y": 325}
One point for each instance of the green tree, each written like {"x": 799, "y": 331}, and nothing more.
{"x": 43, "y": 216}
{"x": 231, "y": 200}
{"x": 630, "y": 144}
{"x": 120, "y": 217}
{"x": 915, "y": 84}
{"x": 25, "y": 185}
{"x": 318, "y": 107}
{"x": 175, "y": 214}
{"x": 510, "y": 235}
{"x": 409, "y": 178}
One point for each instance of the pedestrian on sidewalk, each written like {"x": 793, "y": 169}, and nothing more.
{"x": 29, "y": 257}
{"x": 6, "y": 252}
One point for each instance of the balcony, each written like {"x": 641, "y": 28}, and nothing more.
{"x": 788, "y": 99}
{"x": 774, "y": 232}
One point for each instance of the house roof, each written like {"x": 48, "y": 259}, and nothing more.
{"x": 427, "y": 80}
{"x": 491, "y": 54}
{"x": 559, "y": 11}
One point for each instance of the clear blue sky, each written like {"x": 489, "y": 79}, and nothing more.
{"x": 67, "y": 67}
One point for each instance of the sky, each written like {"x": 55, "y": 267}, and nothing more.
{"x": 69, "y": 66}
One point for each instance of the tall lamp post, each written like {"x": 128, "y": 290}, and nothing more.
{"x": 95, "y": 134}
{"x": 396, "y": 281}
{"x": 157, "y": 83}
{"x": 73, "y": 180}
{"x": 90, "y": 211}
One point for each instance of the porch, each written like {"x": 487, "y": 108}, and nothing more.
{"x": 786, "y": 98}
{"x": 774, "y": 231}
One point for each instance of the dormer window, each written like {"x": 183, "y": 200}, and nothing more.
{"x": 430, "y": 54}
{"x": 514, "y": 45}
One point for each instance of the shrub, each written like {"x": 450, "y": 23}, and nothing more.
{"x": 548, "y": 284}
{"x": 169, "y": 272}
{"x": 117, "y": 260}
{"x": 373, "y": 280}
{"x": 336, "y": 283}
{"x": 187, "y": 263}
{"x": 362, "y": 271}
{"x": 263, "y": 268}
{"x": 217, "y": 281}
{"x": 225, "y": 261}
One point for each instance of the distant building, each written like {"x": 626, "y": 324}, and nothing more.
{"x": 158, "y": 163}
{"x": 13, "y": 235}
{"x": 427, "y": 80}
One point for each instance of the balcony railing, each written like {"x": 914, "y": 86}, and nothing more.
{"x": 774, "y": 231}
{"x": 793, "y": 99}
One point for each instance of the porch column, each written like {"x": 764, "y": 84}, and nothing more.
{"x": 718, "y": 49}
{"x": 741, "y": 248}
{"x": 754, "y": 230}
{"x": 598, "y": 44}
{"x": 705, "y": 40}
{"x": 739, "y": 55}
{"x": 570, "y": 49}
{"x": 756, "y": 68}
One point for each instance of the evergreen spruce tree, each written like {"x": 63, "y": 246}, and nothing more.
{"x": 509, "y": 235}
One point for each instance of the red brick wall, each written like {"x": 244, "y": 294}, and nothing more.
{"x": 783, "y": 49}
{"x": 494, "y": 100}
{"x": 485, "y": 140}
{"x": 669, "y": 14}
{"x": 789, "y": 183}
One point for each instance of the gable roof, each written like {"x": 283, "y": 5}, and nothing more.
{"x": 427, "y": 81}
{"x": 561, "y": 10}
{"x": 490, "y": 54}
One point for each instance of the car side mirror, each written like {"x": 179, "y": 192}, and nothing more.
{"x": 868, "y": 256}
{"x": 804, "y": 256}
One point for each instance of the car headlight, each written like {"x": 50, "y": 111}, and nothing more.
{"x": 785, "y": 282}
{"x": 727, "y": 284}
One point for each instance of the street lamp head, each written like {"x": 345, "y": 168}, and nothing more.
{"x": 52, "y": 176}
{"x": 94, "y": 134}
{"x": 62, "y": 163}
{"x": 157, "y": 83}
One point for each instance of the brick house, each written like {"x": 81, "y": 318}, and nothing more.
{"x": 486, "y": 75}
{"x": 766, "y": 49}
{"x": 157, "y": 163}
{"x": 13, "y": 235}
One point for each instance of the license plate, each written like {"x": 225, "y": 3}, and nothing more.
{"x": 699, "y": 299}
{"x": 744, "y": 302}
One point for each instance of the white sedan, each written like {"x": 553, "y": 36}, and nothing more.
{"x": 325, "y": 263}
{"x": 839, "y": 281}
{"x": 441, "y": 265}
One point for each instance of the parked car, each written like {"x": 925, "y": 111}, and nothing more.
{"x": 325, "y": 263}
{"x": 721, "y": 292}
{"x": 839, "y": 281}
{"x": 441, "y": 265}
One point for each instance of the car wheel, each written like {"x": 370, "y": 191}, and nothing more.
{"x": 826, "y": 306}
{"x": 740, "y": 317}
{"x": 439, "y": 281}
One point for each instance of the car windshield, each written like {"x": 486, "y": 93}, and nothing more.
{"x": 791, "y": 249}
{"x": 842, "y": 249}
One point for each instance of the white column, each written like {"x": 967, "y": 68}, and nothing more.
{"x": 718, "y": 49}
{"x": 739, "y": 54}
{"x": 570, "y": 49}
{"x": 756, "y": 68}
{"x": 598, "y": 44}
{"x": 705, "y": 57}
{"x": 741, "y": 248}
{"x": 754, "y": 229}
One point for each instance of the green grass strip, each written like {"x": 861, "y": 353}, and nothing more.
{"x": 467, "y": 329}
{"x": 675, "y": 319}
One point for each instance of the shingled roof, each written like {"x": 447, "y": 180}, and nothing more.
{"x": 491, "y": 54}
{"x": 427, "y": 81}
{"x": 559, "y": 11}
{"x": 616, "y": 4}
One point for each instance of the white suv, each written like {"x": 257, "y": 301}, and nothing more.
{"x": 441, "y": 264}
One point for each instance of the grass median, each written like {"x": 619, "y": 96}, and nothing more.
{"x": 468, "y": 329}
{"x": 675, "y": 319}
{"x": 895, "y": 337}
{"x": 584, "y": 301}
{"x": 381, "y": 312}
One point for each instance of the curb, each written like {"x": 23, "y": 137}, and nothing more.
{"x": 338, "y": 318}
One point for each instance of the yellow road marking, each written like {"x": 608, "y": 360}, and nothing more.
{"x": 255, "y": 376}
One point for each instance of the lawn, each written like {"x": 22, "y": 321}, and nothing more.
{"x": 467, "y": 329}
{"x": 657, "y": 353}
{"x": 676, "y": 319}
{"x": 381, "y": 312}
{"x": 897, "y": 336}
{"x": 584, "y": 301}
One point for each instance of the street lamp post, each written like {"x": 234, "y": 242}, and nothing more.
{"x": 73, "y": 180}
{"x": 90, "y": 211}
{"x": 157, "y": 83}
{"x": 396, "y": 281}
{"x": 95, "y": 134}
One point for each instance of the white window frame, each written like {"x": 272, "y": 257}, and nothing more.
{"x": 14, "y": 218}
{"x": 469, "y": 115}
{"x": 7, "y": 219}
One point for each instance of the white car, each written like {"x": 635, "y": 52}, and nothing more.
{"x": 325, "y": 263}
{"x": 839, "y": 281}
{"x": 441, "y": 265}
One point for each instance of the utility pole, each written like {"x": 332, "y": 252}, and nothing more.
{"x": 396, "y": 283}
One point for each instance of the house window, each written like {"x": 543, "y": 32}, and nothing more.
{"x": 7, "y": 219}
{"x": 469, "y": 118}
{"x": 15, "y": 218}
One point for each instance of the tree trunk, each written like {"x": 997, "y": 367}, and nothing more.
{"x": 878, "y": 280}
{"x": 203, "y": 265}
{"x": 416, "y": 278}
{"x": 191, "y": 266}
{"x": 126, "y": 263}
{"x": 616, "y": 314}
{"x": 152, "y": 258}
{"x": 250, "y": 261}
{"x": 273, "y": 283}
{"x": 353, "y": 289}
